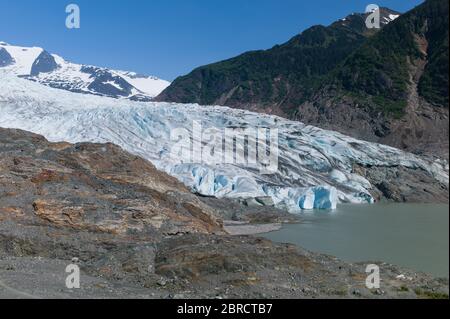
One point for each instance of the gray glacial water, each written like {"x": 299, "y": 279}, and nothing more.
{"x": 415, "y": 236}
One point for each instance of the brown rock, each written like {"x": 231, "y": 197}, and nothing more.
{"x": 94, "y": 187}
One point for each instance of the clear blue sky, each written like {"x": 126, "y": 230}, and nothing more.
{"x": 168, "y": 38}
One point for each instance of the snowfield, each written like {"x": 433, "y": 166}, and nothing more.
{"x": 314, "y": 165}
{"x": 52, "y": 70}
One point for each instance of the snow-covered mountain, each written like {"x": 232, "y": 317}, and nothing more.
{"x": 315, "y": 166}
{"x": 36, "y": 64}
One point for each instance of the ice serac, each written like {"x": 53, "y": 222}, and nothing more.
{"x": 320, "y": 197}
{"x": 325, "y": 197}
{"x": 317, "y": 169}
{"x": 217, "y": 182}
{"x": 305, "y": 198}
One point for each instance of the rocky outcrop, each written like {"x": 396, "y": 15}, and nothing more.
{"x": 91, "y": 187}
{"x": 403, "y": 185}
{"x": 5, "y": 58}
{"x": 45, "y": 63}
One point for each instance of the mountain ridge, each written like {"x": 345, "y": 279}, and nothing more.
{"x": 36, "y": 64}
{"x": 330, "y": 44}
{"x": 344, "y": 79}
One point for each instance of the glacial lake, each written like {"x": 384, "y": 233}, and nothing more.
{"x": 415, "y": 236}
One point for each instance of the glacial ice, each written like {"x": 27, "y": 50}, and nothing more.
{"x": 315, "y": 166}
{"x": 305, "y": 198}
{"x": 325, "y": 197}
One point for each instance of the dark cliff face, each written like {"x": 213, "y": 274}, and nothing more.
{"x": 371, "y": 85}
{"x": 44, "y": 63}
{"x": 106, "y": 83}
{"x": 5, "y": 58}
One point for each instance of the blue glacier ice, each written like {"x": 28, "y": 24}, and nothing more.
{"x": 315, "y": 166}
{"x": 325, "y": 197}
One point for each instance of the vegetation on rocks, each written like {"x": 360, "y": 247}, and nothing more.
{"x": 383, "y": 86}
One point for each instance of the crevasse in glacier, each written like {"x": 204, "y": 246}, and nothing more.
{"x": 315, "y": 166}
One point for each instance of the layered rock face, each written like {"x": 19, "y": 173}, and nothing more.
{"x": 98, "y": 188}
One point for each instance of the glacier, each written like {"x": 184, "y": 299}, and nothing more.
{"x": 315, "y": 166}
